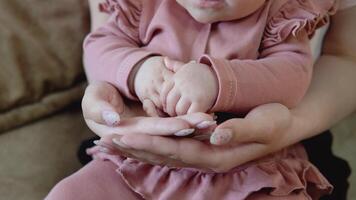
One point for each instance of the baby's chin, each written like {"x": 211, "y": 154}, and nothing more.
{"x": 207, "y": 16}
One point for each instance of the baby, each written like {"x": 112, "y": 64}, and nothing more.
{"x": 188, "y": 56}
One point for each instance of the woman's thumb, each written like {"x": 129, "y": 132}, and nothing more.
{"x": 234, "y": 131}
{"x": 103, "y": 104}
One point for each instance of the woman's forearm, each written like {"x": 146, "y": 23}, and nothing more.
{"x": 332, "y": 94}
{"x": 331, "y": 97}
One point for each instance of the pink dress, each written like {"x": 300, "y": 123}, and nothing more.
{"x": 270, "y": 61}
{"x": 284, "y": 175}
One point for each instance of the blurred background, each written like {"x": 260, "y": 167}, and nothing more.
{"x": 41, "y": 85}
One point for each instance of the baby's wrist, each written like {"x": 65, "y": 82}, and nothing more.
{"x": 216, "y": 85}
{"x": 133, "y": 73}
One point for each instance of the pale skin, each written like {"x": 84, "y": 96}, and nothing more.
{"x": 252, "y": 136}
{"x": 189, "y": 87}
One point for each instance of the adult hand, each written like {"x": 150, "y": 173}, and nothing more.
{"x": 105, "y": 113}
{"x": 263, "y": 131}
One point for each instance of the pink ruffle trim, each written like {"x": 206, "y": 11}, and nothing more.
{"x": 297, "y": 15}
{"x": 280, "y": 174}
{"x": 127, "y": 15}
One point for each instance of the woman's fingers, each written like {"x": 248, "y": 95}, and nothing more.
{"x": 235, "y": 131}
{"x": 193, "y": 153}
{"x": 188, "y": 151}
{"x": 103, "y": 104}
{"x": 261, "y": 125}
{"x": 199, "y": 120}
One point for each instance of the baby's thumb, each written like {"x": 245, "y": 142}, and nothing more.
{"x": 150, "y": 108}
{"x": 173, "y": 65}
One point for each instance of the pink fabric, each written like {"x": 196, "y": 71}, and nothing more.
{"x": 98, "y": 180}
{"x": 283, "y": 175}
{"x": 270, "y": 60}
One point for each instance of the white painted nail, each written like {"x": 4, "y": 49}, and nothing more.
{"x": 184, "y": 132}
{"x": 121, "y": 144}
{"x": 96, "y": 142}
{"x": 221, "y": 136}
{"x": 205, "y": 124}
{"x": 104, "y": 150}
{"x": 111, "y": 118}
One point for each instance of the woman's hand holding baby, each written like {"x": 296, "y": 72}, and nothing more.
{"x": 193, "y": 88}
{"x": 105, "y": 114}
{"x": 266, "y": 129}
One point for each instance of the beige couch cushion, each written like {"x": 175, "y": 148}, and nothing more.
{"x": 40, "y": 65}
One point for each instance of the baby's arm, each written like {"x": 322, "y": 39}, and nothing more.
{"x": 112, "y": 51}
{"x": 281, "y": 75}
{"x": 112, "y": 54}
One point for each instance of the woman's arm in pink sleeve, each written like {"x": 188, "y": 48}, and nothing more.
{"x": 281, "y": 75}
{"x": 112, "y": 51}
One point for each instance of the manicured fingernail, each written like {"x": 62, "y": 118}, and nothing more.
{"x": 104, "y": 150}
{"x": 96, "y": 142}
{"x": 111, "y": 118}
{"x": 221, "y": 136}
{"x": 120, "y": 143}
{"x": 184, "y": 132}
{"x": 205, "y": 124}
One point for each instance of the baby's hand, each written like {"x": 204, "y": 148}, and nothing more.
{"x": 193, "y": 88}
{"x": 150, "y": 76}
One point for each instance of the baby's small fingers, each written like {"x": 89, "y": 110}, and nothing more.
{"x": 182, "y": 106}
{"x": 195, "y": 107}
{"x": 173, "y": 65}
{"x": 172, "y": 100}
{"x": 150, "y": 108}
{"x": 156, "y": 100}
{"x": 166, "y": 88}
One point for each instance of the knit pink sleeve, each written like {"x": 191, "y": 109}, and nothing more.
{"x": 112, "y": 51}
{"x": 283, "y": 72}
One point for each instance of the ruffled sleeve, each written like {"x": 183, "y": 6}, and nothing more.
{"x": 112, "y": 51}
{"x": 295, "y": 16}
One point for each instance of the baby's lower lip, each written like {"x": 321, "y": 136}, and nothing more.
{"x": 210, "y": 3}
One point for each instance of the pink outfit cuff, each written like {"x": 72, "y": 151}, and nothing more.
{"x": 227, "y": 83}
{"x": 123, "y": 73}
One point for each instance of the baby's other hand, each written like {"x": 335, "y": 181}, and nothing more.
{"x": 148, "y": 82}
{"x": 193, "y": 88}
